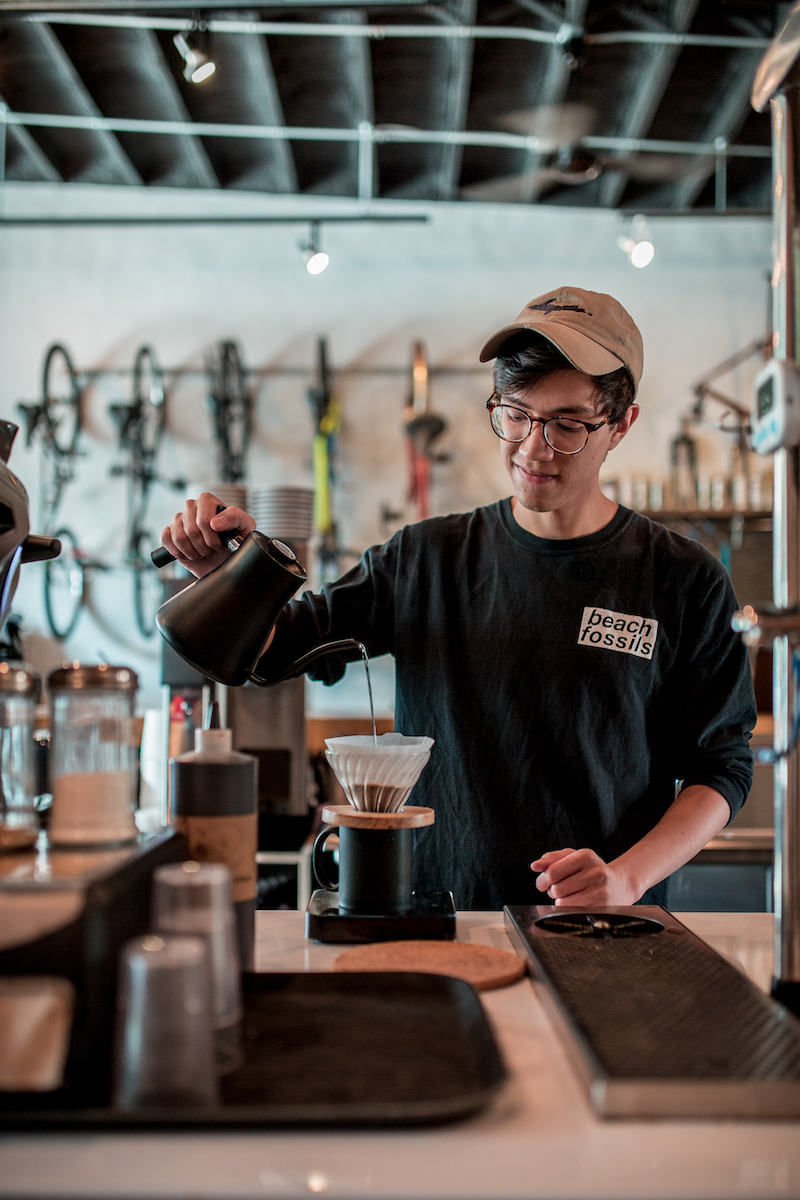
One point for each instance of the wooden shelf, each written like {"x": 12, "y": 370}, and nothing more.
{"x": 711, "y": 514}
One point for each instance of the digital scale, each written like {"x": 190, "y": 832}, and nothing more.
{"x": 775, "y": 411}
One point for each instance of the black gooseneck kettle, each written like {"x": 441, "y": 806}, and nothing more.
{"x": 219, "y": 623}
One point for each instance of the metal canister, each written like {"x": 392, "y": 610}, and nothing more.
{"x": 19, "y": 823}
{"x": 94, "y": 754}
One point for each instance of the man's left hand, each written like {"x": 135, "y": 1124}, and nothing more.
{"x": 580, "y": 877}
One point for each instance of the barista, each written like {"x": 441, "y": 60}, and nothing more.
{"x": 572, "y": 659}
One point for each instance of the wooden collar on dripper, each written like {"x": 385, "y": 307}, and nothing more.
{"x": 404, "y": 818}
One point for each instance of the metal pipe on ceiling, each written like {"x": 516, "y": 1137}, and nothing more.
{"x": 371, "y": 134}
{"x": 222, "y": 219}
{"x": 380, "y": 32}
{"x": 78, "y": 6}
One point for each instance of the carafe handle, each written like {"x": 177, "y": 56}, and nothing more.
{"x": 316, "y": 858}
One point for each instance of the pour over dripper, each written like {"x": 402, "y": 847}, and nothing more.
{"x": 378, "y": 777}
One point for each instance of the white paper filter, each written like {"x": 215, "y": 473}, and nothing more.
{"x": 378, "y": 778}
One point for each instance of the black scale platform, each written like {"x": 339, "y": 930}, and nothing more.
{"x": 432, "y": 917}
{"x": 656, "y": 1022}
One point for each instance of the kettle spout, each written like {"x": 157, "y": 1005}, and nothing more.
{"x": 301, "y": 665}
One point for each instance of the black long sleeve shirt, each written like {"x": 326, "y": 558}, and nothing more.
{"x": 568, "y": 685}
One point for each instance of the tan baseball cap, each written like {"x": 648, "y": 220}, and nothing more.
{"x": 591, "y": 329}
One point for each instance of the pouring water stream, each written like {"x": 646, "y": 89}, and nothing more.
{"x": 365, "y": 657}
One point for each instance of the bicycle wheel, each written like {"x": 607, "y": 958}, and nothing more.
{"x": 64, "y": 584}
{"x": 148, "y": 590}
{"x": 62, "y": 399}
{"x": 232, "y": 408}
{"x": 148, "y": 399}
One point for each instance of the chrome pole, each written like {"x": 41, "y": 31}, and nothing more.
{"x": 786, "y": 546}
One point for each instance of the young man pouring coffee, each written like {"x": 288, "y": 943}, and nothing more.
{"x": 572, "y": 658}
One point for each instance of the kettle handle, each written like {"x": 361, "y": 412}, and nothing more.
{"x": 316, "y": 858}
{"x": 232, "y": 538}
{"x": 301, "y": 664}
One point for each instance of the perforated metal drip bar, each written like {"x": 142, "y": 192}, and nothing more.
{"x": 656, "y": 1022}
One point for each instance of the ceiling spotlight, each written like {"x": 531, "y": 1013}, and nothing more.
{"x": 639, "y": 245}
{"x": 316, "y": 260}
{"x": 195, "y": 50}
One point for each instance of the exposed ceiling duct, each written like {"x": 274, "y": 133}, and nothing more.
{"x": 582, "y": 103}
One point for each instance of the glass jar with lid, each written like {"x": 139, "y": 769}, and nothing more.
{"x": 19, "y": 823}
{"x": 94, "y": 754}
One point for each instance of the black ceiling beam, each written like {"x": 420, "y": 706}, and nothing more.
{"x": 38, "y": 75}
{"x": 127, "y": 75}
{"x": 654, "y": 70}
{"x": 242, "y": 91}
{"x": 452, "y": 102}
{"x": 25, "y": 161}
{"x": 326, "y": 82}
{"x": 731, "y": 107}
{"x": 425, "y": 85}
{"x": 553, "y": 93}
{"x": 353, "y": 102}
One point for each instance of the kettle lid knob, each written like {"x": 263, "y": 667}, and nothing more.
{"x": 282, "y": 551}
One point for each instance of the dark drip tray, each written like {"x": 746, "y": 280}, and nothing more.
{"x": 391, "y": 1048}
{"x": 659, "y": 1025}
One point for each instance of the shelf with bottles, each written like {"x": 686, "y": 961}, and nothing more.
{"x": 760, "y": 519}
{"x": 716, "y": 498}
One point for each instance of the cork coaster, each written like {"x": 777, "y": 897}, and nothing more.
{"x": 482, "y": 966}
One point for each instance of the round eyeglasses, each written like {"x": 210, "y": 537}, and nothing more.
{"x": 562, "y": 434}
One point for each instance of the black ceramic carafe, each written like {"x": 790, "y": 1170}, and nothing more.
{"x": 219, "y": 623}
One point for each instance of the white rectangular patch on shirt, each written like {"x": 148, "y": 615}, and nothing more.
{"x": 609, "y": 630}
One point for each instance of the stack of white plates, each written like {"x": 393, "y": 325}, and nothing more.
{"x": 229, "y": 494}
{"x": 283, "y": 512}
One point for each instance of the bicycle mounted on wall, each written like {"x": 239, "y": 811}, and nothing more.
{"x": 231, "y": 407}
{"x": 57, "y": 421}
{"x": 141, "y": 426}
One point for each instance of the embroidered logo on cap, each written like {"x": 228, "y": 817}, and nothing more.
{"x": 609, "y": 630}
{"x": 551, "y": 306}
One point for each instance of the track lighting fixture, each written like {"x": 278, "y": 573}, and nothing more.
{"x": 194, "y": 47}
{"x": 639, "y": 244}
{"x": 316, "y": 260}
